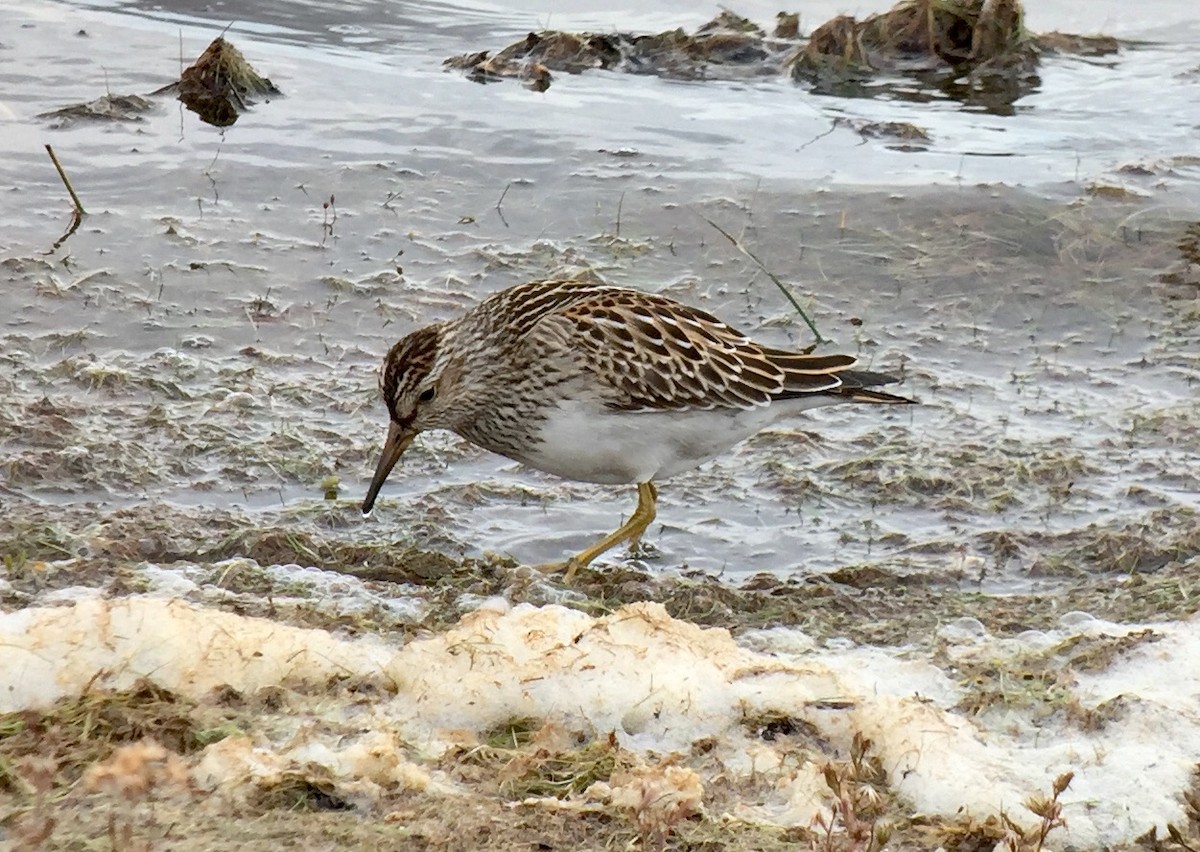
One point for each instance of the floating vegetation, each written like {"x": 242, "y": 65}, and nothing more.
{"x": 220, "y": 85}
{"x": 902, "y": 131}
{"x": 975, "y": 38}
{"x": 972, "y": 50}
{"x": 106, "y": 108}
{"x": 727, "y": 46}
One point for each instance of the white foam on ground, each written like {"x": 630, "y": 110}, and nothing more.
{"x": 660, "y": 685}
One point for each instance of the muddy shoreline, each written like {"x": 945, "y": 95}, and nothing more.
{"x": 1048, "y": 343}
{"x": 895, "y": 630}
{"x": 1042, "y": 483}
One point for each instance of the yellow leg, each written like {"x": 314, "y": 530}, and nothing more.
{"x": 630, "y": 531}
{"x": 651, "y": 511}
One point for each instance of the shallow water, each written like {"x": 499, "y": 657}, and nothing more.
{"x": 210, "y": 335}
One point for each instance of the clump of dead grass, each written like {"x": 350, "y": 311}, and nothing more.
{"x": 305, "y": 789}
{"x": 951, "y": 31}
{"x": 1000, "y": 831}
{"x": 525, "y": 758}
{"x": 77, "y": 733}
{"x": 860, "y": 801}
{"x": 547, "y": 772}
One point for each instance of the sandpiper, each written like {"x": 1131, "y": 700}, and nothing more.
{"x": 601, "y": 384}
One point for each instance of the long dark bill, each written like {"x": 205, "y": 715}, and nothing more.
{"x": 398, "y": 439}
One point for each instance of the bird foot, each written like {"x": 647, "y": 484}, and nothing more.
{"x": 567, "y": 567}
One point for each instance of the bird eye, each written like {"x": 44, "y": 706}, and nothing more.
{"x": 427, "y": 395}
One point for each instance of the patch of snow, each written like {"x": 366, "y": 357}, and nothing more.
{"x": 658, "y": 685}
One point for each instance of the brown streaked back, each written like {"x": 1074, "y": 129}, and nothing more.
{"x": 656, "y": 354}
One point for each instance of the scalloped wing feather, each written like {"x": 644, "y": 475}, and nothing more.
{"x": 657, "y": 354}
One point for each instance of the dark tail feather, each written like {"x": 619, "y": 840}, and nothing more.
{"x": 857, "y": 384}
{"x": 803, "y": 364}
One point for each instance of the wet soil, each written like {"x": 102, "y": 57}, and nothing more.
{"x": 1049, "y": 344}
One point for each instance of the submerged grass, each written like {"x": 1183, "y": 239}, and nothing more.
{"x": 1141, "y": 571}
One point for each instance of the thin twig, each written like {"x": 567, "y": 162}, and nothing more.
{"x": 774, "y": 278}
{"x": 66, "y": 181}
{"x": 181, "y": 67}
{"x": 77, "y": 212}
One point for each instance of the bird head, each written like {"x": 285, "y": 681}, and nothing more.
{"x": 418, "y": 384}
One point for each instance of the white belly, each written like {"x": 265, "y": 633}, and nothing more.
{"x": 612, "y": 447}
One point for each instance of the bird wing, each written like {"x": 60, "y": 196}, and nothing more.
{"x": 656, "y": 354}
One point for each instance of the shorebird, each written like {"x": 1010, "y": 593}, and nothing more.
{"x": 601, "y": 384}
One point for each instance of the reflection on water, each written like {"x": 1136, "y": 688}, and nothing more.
{"x": 1082, "y": 115}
